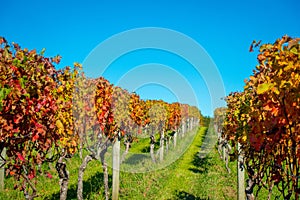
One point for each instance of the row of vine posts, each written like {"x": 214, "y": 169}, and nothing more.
{"x": 224, "y": 150}
{"x": 117, "y": 157}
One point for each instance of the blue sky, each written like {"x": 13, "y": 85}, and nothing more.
{"x": 225, "y": 30}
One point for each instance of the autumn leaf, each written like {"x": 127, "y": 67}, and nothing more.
{"x": 264, "y": 87}
{"x": 35, "y": 137}
{"x": 59, "y": 125}
{"x": 31, "y": 175}
{"x": 56, "y": 59}
{"x": 20, "y": 157}
{"x": 49, "y": 175}
{"x": 251, "y": 48}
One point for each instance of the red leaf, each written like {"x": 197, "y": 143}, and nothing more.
{"x": 20, "y": 157}
{"x": 49, "y": 175}
{"x": 110, "y": 120}
{"x": 31, "y": 175}
{"x": 13, "y": 68}
{"x": 35, "y": 137}
{"x": 251, "y": 48}
{"x": 102, "y": 127}
{"x": 38, "y": 125}
{"x": 17, "y": 119}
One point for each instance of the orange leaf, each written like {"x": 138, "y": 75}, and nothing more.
{"x": 40, "y": 130}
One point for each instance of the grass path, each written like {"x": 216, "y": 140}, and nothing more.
{"x": 190, "y": 177}
{"x": 196, "y": 178}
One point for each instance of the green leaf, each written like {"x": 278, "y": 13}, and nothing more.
{"x": 264, "y": 87}
{"x": 23, "y": 81}
{"x": 3, "y": 93}
{"x": 294, "y": 50}
{"x": 43, "y": 51}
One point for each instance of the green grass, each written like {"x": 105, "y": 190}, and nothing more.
{"x": 188, "y": 177}
{"x": 142, "y": 145}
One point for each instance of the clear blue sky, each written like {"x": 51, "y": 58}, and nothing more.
{"x": 225, "y": 29}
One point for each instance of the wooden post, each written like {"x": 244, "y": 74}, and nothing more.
{"x": 175, "y": 139}
{"x": 161, "y": 153}
{"x": 241, "y": 175}
{"x": 2, "y": 170}
{"x": 183, "y": 129}
{"x": 116, "y": 170}
{"x": 224, "y": 152}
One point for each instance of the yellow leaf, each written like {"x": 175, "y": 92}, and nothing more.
{"x": 264, "y": 87}
{"x": 289, "y": 66}
{"x": 59, "y": 125}
{"x": 60, "y": 89}
{"x": 244, "y": 138}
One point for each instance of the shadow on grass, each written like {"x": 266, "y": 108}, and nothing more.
{"x": 182, "y": 195}
{"x": 201, "y": 165}
{"x": 92, "y": 185}
{"x": 135, "y": 159}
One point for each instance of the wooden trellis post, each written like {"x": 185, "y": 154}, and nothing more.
{"x": 116, "y": 170}
{"x": 2, "y": 170}
{"x": 175, "y": 139}
{"x": 241, "y": 175}
{"x": 161, "y": 153}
